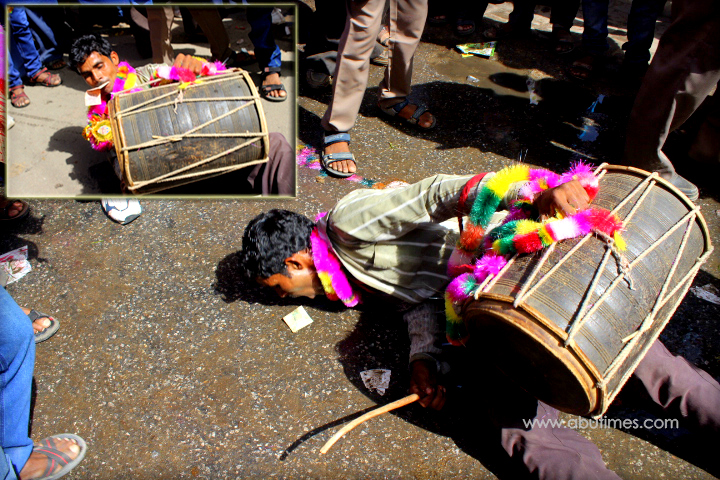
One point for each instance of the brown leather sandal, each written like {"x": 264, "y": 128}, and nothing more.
{"x": 18, "y": 97}
{"x": 43, "y": 77}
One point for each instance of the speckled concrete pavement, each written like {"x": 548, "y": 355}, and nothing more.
{"x": 171, "y": 368}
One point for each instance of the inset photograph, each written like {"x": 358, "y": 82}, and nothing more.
{"x": 171, "y": 101}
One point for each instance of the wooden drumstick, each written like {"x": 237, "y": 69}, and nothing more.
{"x": 373, "y": 413}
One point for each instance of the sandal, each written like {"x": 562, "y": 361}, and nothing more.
{"x": 582, "y": 68}
{"x": 56, "y": 64}
{"x": 464, "y": 22}
{"x": 18, "y": 97}
{"x": 266, "y": 89}
{"x": 242, "y": 58}
{"x": 5, "y": 211}
{"x": 328, "y": 158}
{"x": 48, "y": 448}
{"x": 563, "y": 41}
{"x": 395, "y": 110}
{"x": 439, "y": 19}
{"x": 43, "y": 77}
{"x": 383, "y": 37}
{"x": 49, "y": 331}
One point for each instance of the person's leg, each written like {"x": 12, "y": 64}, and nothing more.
{"x": 363, "y": 23}
{"x": 551, "y": 451}
{"x": 563, "y": 13}
{"x": 680, "y": 388}
{"x": 160, "y": 20}
{"x": 521, "y": 17}
{"x": 407, "y": 21}
{"x": 17, "y": 360}
{"x": 277, "y": 176}
{"x": 44, "y": 38}
{"x": 682, "y": 74}
{"x": 595, "y": 30}
{"x": 641, "y": 31}
{"x": 267, "y": 52}
{"x": 23, "y": 39}
{"x": 212, "y": 26}
{"x": 562, "y": 17}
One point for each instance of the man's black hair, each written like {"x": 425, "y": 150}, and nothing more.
{"x": 83, "y": 47}
{"x": 269, "y": 239}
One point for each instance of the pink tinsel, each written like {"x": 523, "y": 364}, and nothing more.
{"x": 489, "y": 264}
{"x": 326, "y": 262}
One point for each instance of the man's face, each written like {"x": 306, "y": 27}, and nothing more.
{"x": 303, "y": 280}
{"x": 98, "y": 69}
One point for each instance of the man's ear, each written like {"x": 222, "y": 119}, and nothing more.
{"x": 114, "y": 57}
{"x": 299, "y": 260}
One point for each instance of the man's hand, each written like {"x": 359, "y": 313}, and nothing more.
{"x": 567, "y": 199}
{"x": 423, "y": 381}
{"x": 188, "y": 62}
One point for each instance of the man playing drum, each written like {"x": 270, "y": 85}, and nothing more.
{"x": 94, "y": 59}
{"x": 391, "y": 244}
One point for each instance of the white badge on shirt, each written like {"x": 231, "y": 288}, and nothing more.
{"x": 93, "y": 96}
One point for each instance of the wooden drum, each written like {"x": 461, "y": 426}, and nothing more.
{"x": 571, "y": 323}
{"x": 167, "y": 136}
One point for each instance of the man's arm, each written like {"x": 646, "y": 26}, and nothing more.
{"x": 425, "y": 337}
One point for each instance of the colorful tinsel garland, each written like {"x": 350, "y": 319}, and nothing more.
{"x": 99, "y": 131}
{"x": 329, "y": 269}
{"x": 518, "y": 233}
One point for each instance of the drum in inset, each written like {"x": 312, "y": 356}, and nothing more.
{"x": 168, "y": 136}
{"x": 570, "y": 323}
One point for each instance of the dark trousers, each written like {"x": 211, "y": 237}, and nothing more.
{"x": 555, "y": 452}
{"x": 685, "y": 69}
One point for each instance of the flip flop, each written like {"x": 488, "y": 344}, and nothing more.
{"x": 266, "y": 89}
{"x": 395, "y": 110}
{"x": 328, "y": 158}
{"x": 55, "y": 457}
{"x": 49, "y": 331}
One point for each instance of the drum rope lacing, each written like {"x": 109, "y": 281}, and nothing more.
{"x": 250, "y": 100}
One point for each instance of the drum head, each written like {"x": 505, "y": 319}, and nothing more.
{"x": 531, "y": 355}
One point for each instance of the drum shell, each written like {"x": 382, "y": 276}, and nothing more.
{"x": 529, "y": 340}
{"x": 178, "y": 158}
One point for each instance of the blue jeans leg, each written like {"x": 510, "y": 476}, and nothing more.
{"x": 595, "y": 32}
{"x": 266, "y": 50}
{"x": 641, "y": 30}
{"x": 44, "y": 37}
{"x": 23, "y": 39}
{"x": 17, "y": 360}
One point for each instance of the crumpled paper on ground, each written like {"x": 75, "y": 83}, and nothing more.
{"x": 14, "y": 265}
{"x": 376, "y": 380}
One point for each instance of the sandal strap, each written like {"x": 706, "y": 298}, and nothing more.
{"x": 419, "y": 111}
{"x": 274, "y": 86}
{"x": 268, "y": 70}
{"x": 338, "y": 157}
{"x": 336, "y": 138}
{"x": 35, "y": 315}
{"x": 400, "y": 105}
{"x": 42, "y": 70}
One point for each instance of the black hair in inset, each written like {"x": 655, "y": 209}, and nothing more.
{"x": 84, "y": 46}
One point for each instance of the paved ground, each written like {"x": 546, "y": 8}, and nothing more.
{"x": 171, "y": 368}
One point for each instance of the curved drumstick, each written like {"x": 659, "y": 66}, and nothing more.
{"x": 372, "y": 413}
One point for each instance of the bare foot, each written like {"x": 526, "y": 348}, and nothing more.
{"x": 11, "y": 209}
{"x": 38, "y": 461}
{"x": 274, "y": 79}
{"x": 345, "y": 166}
{"x": 40, "y": 324}
{"x": 425, "y": 120}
